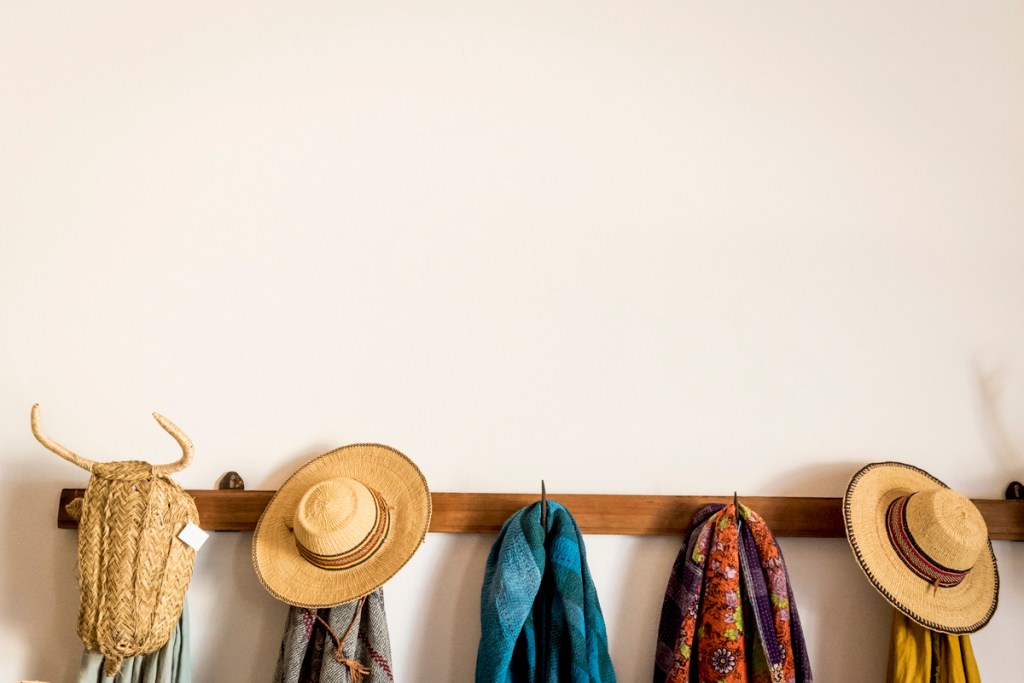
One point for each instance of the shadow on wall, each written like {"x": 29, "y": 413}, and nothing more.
{"x": 284, "y": 470}
{"x": 1007, "y": 454}
{"x": 448, "y": 628}
{"x": 642, "y": 576}
{"x": 818, "y": 480}
{"x": 39, "y": 576}
{"x": 834, "y": 598}
{"x": 232, "y": 615}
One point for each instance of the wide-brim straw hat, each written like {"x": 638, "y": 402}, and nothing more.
{"x": 341, "y": 526}
{"x": 924, "y": 547}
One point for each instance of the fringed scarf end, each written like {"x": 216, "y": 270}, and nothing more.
{"x": 356, "y": 671}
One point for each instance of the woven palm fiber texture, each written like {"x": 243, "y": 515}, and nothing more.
{"x": 133, "y": 570}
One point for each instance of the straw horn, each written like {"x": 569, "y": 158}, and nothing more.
{"x": 183, "y": 441}
{"x": 87, "y": 465}
{"x": 63, "y": 452}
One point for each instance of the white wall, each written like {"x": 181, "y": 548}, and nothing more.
{"x": 655, "y": 247}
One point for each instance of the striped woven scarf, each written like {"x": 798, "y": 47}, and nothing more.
{"x": 310, "y": 650}
{"x": 540, "y": 618}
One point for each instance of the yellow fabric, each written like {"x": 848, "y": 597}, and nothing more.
{"x": 919, "y": 655}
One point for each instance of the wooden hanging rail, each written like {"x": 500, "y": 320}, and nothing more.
{"x": 484, "y": 513}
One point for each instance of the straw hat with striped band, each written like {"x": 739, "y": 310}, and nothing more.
{"x": 341, "y": 526}
{"x": 924, "y": 547}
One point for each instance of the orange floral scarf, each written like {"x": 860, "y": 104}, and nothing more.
{"x": 728, "y": 610}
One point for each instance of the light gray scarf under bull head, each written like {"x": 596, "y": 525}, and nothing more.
{"x": 344, "y": 644}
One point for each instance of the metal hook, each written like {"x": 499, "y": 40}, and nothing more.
{"x": 543, "y": 506}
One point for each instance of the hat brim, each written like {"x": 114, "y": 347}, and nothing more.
{"x": 964, "y": 608}
{"x": 291, "y": 579}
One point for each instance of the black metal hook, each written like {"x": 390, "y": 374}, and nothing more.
{"x": 545, "y": 617}
{"x": 543, "y": 506}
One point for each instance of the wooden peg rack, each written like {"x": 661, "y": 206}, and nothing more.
{"x": 641, "y": 515}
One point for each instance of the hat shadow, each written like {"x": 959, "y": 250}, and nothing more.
{"x": 817, "y": 480}
{"x": 279, "y": 474}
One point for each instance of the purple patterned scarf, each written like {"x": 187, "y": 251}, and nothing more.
{"x": 684, "y": 595}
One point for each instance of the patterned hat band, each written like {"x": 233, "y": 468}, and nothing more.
{"x": 361, "y": 551}
{"x": 911, "y": 553}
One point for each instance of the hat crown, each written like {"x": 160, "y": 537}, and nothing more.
{"x": 947, "y": 527}
{"x": 335, "y": 515}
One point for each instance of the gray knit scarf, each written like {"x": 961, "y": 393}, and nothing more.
{"x": 310, "y": 651}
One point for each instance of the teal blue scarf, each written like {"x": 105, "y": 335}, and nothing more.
{"x": 540, "y": 618}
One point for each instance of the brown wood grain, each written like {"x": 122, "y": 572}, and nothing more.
{"x": 484, "y": 513}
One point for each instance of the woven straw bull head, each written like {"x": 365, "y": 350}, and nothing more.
{"x": 133, "y": 570}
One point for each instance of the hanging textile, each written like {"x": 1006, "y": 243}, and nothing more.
{"x": 344, "y": 644}
{"x": 169, "y": 664}
{"x": 920, "y": 655}
{"x": 539, "y": 612}
{"x": 729, "y": 614}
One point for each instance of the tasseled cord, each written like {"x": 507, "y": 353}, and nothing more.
{"x": 355, "y": 670}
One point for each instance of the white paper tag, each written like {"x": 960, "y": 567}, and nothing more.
{"x": 193, "y": 536}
